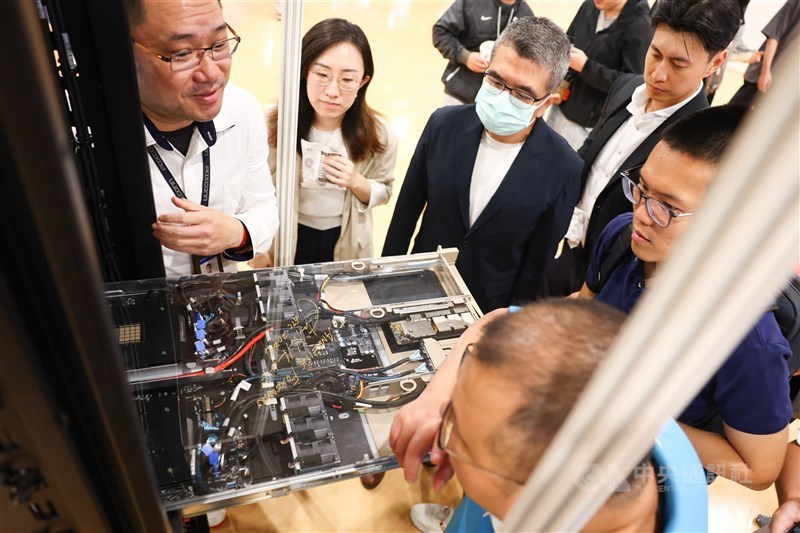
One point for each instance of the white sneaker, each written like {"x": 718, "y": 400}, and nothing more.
{"x": 215, "y": 518}
{"x": 431, "y": 517}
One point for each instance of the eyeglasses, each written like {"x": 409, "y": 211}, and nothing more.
{"x": 191, "y": 57}
{"x": 519, "y": 98}
{"x": 659, "y": 213}
{"x": 446, "y": 430}
{"x": 345, "y": 82}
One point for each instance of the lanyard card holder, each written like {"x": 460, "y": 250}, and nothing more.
{"x": 210, "y": 264}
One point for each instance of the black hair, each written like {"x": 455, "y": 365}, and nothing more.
{"x": 706, "y": 134}
{"x": 715, "y": 22}
{"x": 540, "y": 40}
{"x": 360, "y": 125}
{"x": 136, "y": 12}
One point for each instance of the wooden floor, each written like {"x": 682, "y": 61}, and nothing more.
{"x": 406, "y": 88}
{"x": 344, "y": 506}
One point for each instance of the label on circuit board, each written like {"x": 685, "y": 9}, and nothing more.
{"x": 411, "y": 331}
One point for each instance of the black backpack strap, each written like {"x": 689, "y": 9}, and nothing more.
{"x": 615, "y": 253}
{"x": 787, "y": 315}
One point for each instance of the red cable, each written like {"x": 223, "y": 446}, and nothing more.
{"x": 238, "y": 355}
{"x": 241, "y": 352}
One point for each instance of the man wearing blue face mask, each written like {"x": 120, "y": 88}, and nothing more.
{"x": 493, "y": 180}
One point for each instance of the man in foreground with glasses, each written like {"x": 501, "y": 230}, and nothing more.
{"x": 495, "y": 409}
{"x": 205, "y": 140}
{"x": 738, "y": 423}
{"x": 689, "y": 42}
{"x": 492, "y": 179}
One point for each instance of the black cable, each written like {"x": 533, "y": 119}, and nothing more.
{"x": 402, "y": 400}
{"x": 380, "y": 369}
{"x": 373, "y": 378}
{"x": 327, "y": 380}
{"x": 80, "y": 133}
{"x": 368, "y": 320}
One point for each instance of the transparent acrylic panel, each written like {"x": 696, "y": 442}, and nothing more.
{"x": 254, "y": 384}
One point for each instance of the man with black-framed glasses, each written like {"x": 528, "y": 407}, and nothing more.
{"x": 205, "y": 141}
{"x": 738, "y": 423}
{"x": 492, "y": 179}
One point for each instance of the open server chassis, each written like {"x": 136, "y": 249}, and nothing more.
{"x": 255, "y": 384}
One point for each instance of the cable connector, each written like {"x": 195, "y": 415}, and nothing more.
{"x": 346, "y": 404}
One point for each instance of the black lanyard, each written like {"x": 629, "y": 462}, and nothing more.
{"x": 170, "y": 179}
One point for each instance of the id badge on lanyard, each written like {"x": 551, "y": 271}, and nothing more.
{"x": 210, "y": 264}
{"x": 200, "y": 264}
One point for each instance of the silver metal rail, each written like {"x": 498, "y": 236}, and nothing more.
{"x": 286, "y": 184}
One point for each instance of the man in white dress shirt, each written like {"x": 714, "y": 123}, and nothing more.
{"x": 689, "y": 43}
{"x": 206, "y": 142}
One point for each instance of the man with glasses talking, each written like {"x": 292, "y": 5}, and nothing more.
{"x": 206, "y": 141}
{"x": 492, "y": 179}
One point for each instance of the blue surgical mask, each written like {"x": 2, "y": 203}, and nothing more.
{"x": 499, "y": 115}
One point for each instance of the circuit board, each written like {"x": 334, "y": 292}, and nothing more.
{"x": 247, "y": 380}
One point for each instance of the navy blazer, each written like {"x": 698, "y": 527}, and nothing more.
{"x": 504, "y": 256}
{"x": 612, "y": 202}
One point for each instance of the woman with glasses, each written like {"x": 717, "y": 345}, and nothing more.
{"x": 346, "y": 151}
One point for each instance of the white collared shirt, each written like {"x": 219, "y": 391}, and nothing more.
{"x": 241, "y": 185}
{"x": 619, "y": 147}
